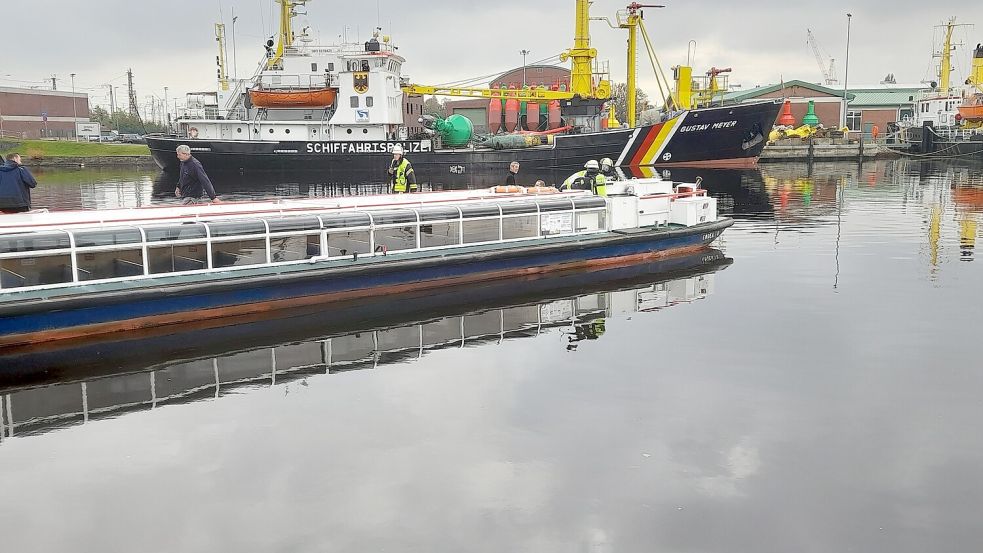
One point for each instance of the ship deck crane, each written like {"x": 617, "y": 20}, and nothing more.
{"x": 582, "y": 76}
{"x": 829, "y": 72}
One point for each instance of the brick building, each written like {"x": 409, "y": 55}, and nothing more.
{"x": 30, "y": 113}
{"x": 866, "y": 106}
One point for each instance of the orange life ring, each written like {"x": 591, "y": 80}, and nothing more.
{"x": 193, "y": 132}
{"x": 508, "y": 189}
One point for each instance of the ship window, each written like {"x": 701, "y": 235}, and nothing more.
{"x": 236, "y": 228}
{"x": 313, "y": 67}
{"x": 365, "y": 65}
{"x": 512, "y": 208}
{"x": 107, "y": 237}
{"x": 287, "y": 131}
{"x": 35, "y": 271}
{"x": 526, "y": 226}
{"x": 438, "y": 213}
{"x": 365, "y": 131}
{"x": 479, "y": 210}
{"x": 271, "y": 131}
{"x": 176, "y": 232}
{"x": 369, "y": 102}
{"x": 287, "y": 224}
{"x": 110, "y": 264}
{"x": 440, "y": 234}
{"x": 238, "y": 253}
{"x": 294, "y": 248}
{"x": 554, "y": 205}
{"x": 348, "y": 243}
{"x": 589, "y": 202}
{"x": 33, "y": 241}
{"x": 349, "y": 131}
{"x": 172, "y": 259}
{"x": 483, "y": 230}
{"x": 394, "y": 216}
{"x": 395, "y": 238}
{"x": 354, "y": 101}
{"x": 593, "y": 220}
{"x": 336, "y": 220}
{"x": 331, "y": 66}
{"x": 239, "y": 130}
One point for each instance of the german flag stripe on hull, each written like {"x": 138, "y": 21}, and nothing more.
{"x": 645, "y": 147}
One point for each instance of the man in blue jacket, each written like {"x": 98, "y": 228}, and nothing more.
{"x": 193, "y": 182}
{"x": 16, "y": 183}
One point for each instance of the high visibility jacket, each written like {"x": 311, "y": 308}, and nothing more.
{"x": 597, "y": 183}
{"x": 403, "y": 178}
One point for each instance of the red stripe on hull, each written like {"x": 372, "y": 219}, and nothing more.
{"x": 158, "y": 324}
{"x": 639, "y": 154}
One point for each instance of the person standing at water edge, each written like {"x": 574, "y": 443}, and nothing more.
{"x": 16, "y": 183}
{"x": 193, "y": 182}
{"x": 513, "y": 170}
{"x": 402, "y": 179}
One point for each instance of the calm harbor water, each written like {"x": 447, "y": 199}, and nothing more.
{"x": 812, "y": 383}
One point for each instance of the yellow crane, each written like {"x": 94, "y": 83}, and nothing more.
{"x": 582, "y": 82}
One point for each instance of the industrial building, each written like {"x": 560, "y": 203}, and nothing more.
{"x": 866, "y": 106}
{"x": 31, "y": 113}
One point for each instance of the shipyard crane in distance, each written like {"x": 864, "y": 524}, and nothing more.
{"x": 829, "y": 71}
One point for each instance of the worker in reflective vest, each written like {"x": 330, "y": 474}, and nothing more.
{"x": 588, "y": 179}
{"x": 402, "y": 179}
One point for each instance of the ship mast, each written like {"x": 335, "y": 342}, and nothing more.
{"x": 581, "y": 58}
{"x": 285, "y": 36}
{"x": 223, "y": 75}
{"x": 945, "y": 66}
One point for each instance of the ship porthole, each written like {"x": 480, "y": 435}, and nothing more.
{"x": 365, "y": 131}
{"x": 315, "y": 131}
{"x": 239, "y": 130}
{"x": 286, "y": 131}
{"x": 271, "y": 131}
{"x": 349, "y": 131}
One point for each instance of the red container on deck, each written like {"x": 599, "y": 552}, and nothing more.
{"x": 494, "y": 116}
{"x": 532, "y": 116}
{"x": 511, "y": 114}
{"x": 553, "y": 114}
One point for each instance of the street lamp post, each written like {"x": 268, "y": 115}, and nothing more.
{"x": 524, "y": 54}
{"x": 846, "y": 71}
{"x": 75, "y": 114}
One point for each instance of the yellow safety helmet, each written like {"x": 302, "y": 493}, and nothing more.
{"x": 592, "y": 164}
{"x": 606, "y": 163}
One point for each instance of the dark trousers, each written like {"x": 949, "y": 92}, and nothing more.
{"x": 20, "y": 209}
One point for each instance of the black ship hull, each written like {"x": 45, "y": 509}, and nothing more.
{"x": 928, "y": 142}
{"x": 729, "y": 136}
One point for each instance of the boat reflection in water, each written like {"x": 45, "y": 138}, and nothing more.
{"x": 47, "y": 390}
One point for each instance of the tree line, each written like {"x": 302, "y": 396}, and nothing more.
{"x": 123, "y": 122}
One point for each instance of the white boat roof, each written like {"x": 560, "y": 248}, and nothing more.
{"x": 39, "y": 220}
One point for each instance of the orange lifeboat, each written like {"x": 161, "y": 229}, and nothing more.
{"x": 972, "y": 109}
{"x": 293, "y": 98}
{"x": 494, "y": 115}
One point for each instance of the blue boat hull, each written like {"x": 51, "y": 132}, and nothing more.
{"x": 130, "y": 308}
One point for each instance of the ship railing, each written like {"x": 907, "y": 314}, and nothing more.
{"x": 66, "y": 257}
{"x": 292, "y": 81}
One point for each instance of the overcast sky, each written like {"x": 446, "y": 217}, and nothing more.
{"x": 172, "y": 43}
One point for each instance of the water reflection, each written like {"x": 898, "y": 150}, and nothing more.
{"x": 106, "y": 380}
